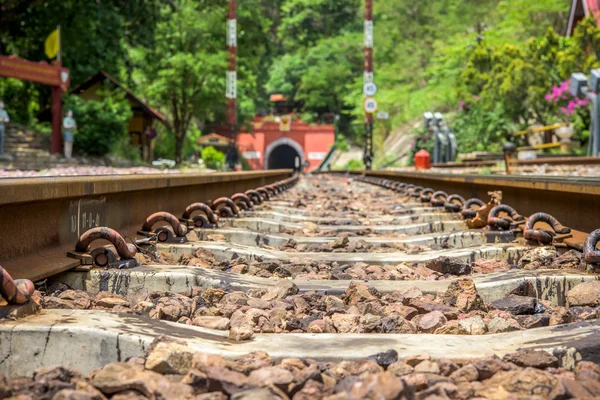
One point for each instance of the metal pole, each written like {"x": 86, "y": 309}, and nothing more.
{"x": 368, "y": 53}
{"x": 231, "y": 89}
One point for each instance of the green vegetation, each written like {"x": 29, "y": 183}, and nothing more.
{"x": 487, "y": 63}
{"x": 213, "y": 158}
{"x": 100, "y": 124}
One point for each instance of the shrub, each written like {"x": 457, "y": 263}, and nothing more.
{"x": 213, "y": 158}
{"x": 354, "y": 164}
{"x": 100, "y": 124}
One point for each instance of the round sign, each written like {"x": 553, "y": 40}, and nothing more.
{"x": 369, "y": 89}
{"x": 370, "y": 105}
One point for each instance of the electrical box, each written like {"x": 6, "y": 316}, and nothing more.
{"x": 427, "y": 118}
{"x": 578, "y": 84}
{"x": 438, "y": 117}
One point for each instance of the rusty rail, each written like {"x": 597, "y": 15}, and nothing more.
{"x": 42, "y": 218}
{"x": 572, "y": 200}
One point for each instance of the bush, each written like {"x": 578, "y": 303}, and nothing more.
{"x": 123, "y": 148}
{"x": 354, "y": 164}
{"x": 100, "y": 124}
{"x": 213, "y": 158}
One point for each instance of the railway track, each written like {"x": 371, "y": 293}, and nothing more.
{"x": 329, "y": 286}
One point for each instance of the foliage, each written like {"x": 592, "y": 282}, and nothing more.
{"x": 354, "y": 164}
{"x": 213, "y": 158}
{"x": 123, "y": 148}
{"x": 100, "y": 124}
{"x": 341, "y": 143}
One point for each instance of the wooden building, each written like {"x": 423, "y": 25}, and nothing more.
{"x": 143, "y": 115}
{"x": 581, "y": 9}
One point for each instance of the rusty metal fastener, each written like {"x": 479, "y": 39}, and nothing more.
{"x": 544, "y": 236}
{"x": 210, "y": 215}
{"x": 17, "y": 291}
{"x": 503, "y": 223}
{"x": 264, "y": 192}
{"x": 416, "y": 191}
{"x": 426, "y": 195}
{"x": 438, "y": 199}
{"x": 179, "y": 229}
{"x": 454, "y": 203}
{"x": 223, "y": 202}
{"x": 468, "y": 212}
{"x": 255, "y": 196}
{"x": 124, "y": 249}
{"x": 241, "y": 198}
{"x": 590, "y": 254}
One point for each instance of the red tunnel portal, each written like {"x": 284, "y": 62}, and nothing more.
{"x": 270, "y": 145}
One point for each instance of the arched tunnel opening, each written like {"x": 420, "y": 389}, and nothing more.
{"x": 284, "y": 157}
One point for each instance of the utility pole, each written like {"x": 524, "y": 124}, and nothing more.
{"x": 368, "y": 79}
{"x": 231, "y": 85}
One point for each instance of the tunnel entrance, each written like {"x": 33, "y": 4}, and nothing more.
{"x": 283, "y": 157}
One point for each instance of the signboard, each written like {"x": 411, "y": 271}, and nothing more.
{"x": 251, "y": 155}
{"x": 317, "y": 156}
{"x": 383, "y": 115}
{"x": 39, "y": 72}
{"x": 370, "y": 105}
{"x": 369, "y": 89}
{"x": 285, "y": 123}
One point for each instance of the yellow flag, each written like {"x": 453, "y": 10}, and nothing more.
{"x": 51, "y": 44}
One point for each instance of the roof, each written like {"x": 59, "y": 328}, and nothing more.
{"x": 213, "y": 139}
{"x": 102, "y": 76}
{"x": 277, "y": 98}
{"x": 581, "y": 9}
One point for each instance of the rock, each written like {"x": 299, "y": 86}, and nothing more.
{"x": 429, "y": 322}
{"x": 270, "y": 393}
{"x": 427, "y": 306}
{"x": 282, "y": 289}
{"x": 250, "y": 362}
{"x": 427, "y": 366}
{"x": 560, "y": 315}
{"x": 539, "y": 257}
{"x": 235, "y": 299}
{"x": 514, "y": 304}
{"x": 213, "y": 296}
{"x": 266, "y": 376}
{"x": 211, "y": 322}
{"x": 226, "y": 380}
{"x": 487, "y": 266}
{"x": 463, "y": 295}
{"x": 378, "y": 386}
{"x": 449, "y": 265}
{"x": 474, "y": 325}
{"x": 120, "y": 377}
{"x": 400, "y": 368}
{"x": 81, "y": 300}
{"x": 203, "y": 362}
{"x": 241, "y": 332}
{"x": 172, "y": 308}
{"x": 532, "y": 358}
{"x": 414, "y": 360}
{"x": 488, "y": 367}
{"x": 196, "y": 379}
{"x": 339, "y": 243}
{"x": 572, "y": 259}
{"x": 535, "y": 321}
{"x": 385, "y": 359}
{"x": 467, "y": 373}
{"x": 170, "y": 358}
{"x": 525, "y": 383}
{"x": 501, "y": 325}
{"x": 345, "y": 323}
{"x": 57, "y": 303}
{"x": 452, "y": 328}
{"x": 584, "y": 294}
{"x": 357, "y": 293}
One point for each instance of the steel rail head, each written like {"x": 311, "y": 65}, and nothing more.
{"x": 17, "y": 291}
{"x": 468, "y": 212}
{"x": 254, "y": 195}
{"x": 241, "y": 198}
{"x": 124, "y": 249}
{"x": 225, "y": 202}
{"x": 543, "y": 236}
{"x": 264, "y": 192}
{"x": 438, "y": 199}
{"x": 425, "y": 195}
{"x": 178, "y": 228}
{"x": 590, "y": 254}
{"x": 454, "y": 203}
{"x": 210, "y": 215}
{"x": 503, "y": 223}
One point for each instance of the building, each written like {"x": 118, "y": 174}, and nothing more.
{"x": 143, "y": 115}
{"x": 215, "y": 140}
{"x": 581, "y": 9}
{"x": 276, "y": 141}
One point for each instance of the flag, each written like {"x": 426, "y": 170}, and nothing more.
{"x": 52, "y": 44}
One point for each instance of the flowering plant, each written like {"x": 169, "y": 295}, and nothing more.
{"x": 568, "y": 105}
